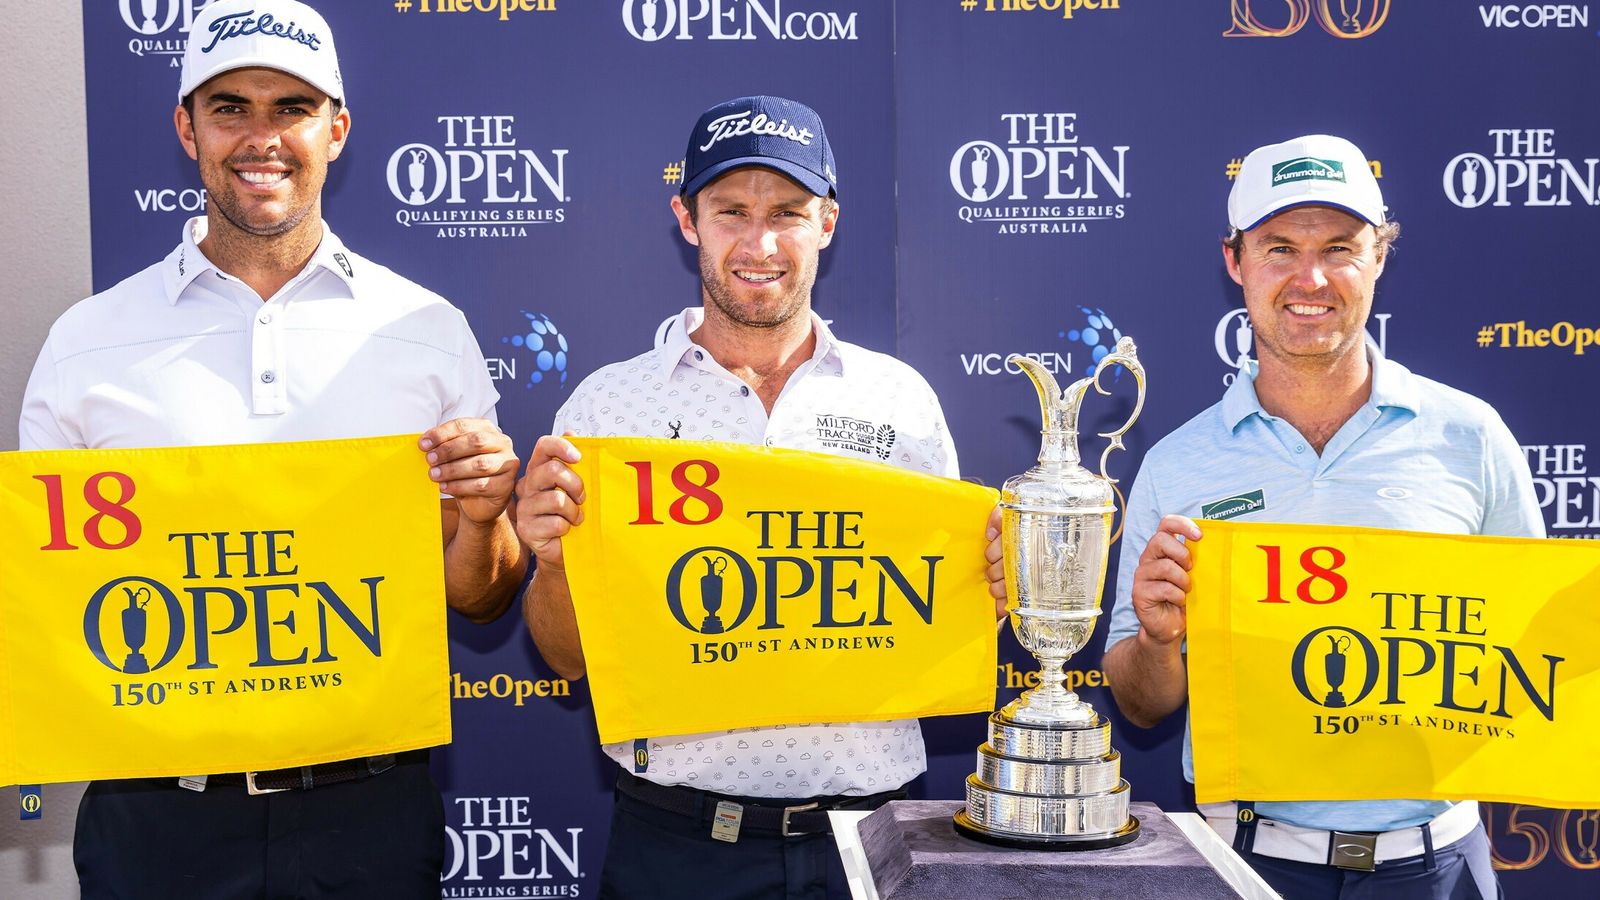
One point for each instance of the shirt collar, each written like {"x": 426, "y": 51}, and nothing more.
{"x": 674, "y": 344}
{"x": 1393, "y": 385}
{"x": 186, "y": 263}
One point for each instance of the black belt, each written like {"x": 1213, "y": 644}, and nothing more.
{"x": 304, "y": 778}
{"x": 791, "y": 818}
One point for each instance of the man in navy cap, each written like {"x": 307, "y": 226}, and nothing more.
{"x": 740, "y": 813}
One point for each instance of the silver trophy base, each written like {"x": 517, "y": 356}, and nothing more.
{"x": 1055, "y": 788}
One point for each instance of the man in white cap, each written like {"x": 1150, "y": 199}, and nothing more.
{"x": 1320, "y": 429}
{"x": 261, "y": 327}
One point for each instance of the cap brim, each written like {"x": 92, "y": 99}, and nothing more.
{"x": 254, "y": 62}
{"x": 1262, "y": 215}
{"x": 807, "y": 179}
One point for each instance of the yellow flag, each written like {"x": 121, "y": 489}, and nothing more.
{"x": 1332, "y": 663}
{"x": 193, "y": 610}
{"x": 723, "y": 585}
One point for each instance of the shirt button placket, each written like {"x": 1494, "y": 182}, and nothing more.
{"x": 269, "y": 390}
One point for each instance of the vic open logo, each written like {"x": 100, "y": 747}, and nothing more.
{"x": 732, "y": 20}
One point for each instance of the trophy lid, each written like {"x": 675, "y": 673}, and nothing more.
{"x": 1059, "y": 481}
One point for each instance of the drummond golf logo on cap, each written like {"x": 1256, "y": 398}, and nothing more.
{"x": 1307, "y": 168}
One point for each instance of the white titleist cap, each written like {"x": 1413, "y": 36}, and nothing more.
{"x": 1316, "y": 169}
{"x": 286, "y": 35}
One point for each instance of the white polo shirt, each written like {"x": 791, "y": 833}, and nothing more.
{"x": 844, "y": 400}
{"x": 185, "y": 354}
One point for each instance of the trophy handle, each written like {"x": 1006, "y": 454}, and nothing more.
{"x": 1127, "y": 356}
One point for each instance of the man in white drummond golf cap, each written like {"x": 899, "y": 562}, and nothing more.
{"x": 1320, "y": 428}
{"x": 261, "y": 326}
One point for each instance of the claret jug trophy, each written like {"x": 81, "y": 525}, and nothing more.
{"x": 1048, "y": 777}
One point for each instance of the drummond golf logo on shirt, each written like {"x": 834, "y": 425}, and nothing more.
{"x": 1237, "y": 505}
{"x": 1307, "y": 168}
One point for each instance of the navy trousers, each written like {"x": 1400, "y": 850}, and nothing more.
{"x": 1461, "y": 871}
{"x": 148, "y": 838}
{"x": 658, "y": 855}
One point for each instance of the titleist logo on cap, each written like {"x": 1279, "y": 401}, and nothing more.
{"x": 245, "y": 23}
{"x": 736, "y": 124}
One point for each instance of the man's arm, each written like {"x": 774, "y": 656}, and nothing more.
{"x": 472, "y": 460}
{"x": 550, "y": 502}
{"x": 1146, "y": 670}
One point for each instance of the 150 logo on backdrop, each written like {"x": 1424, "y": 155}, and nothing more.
{"x": 1340, "y": 18}
{"x": 1042, "y": 181}
{"x": 736, "y": 20}
{"x": 480, "y": 184}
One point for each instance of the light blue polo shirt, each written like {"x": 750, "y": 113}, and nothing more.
{"x": 1417, "y": 455}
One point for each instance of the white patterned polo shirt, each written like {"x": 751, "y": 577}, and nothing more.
{"x": 845, "y": 400}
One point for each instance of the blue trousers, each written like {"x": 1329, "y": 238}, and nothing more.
{"x": 149, "y": 838}
{"x": 658, "y": 855}
{"x": 1461, "y": 871}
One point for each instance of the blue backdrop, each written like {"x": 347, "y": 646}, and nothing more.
{"x": 1030, "y": 176}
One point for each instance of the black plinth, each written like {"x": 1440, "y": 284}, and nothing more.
{"x": 915, "y": 854}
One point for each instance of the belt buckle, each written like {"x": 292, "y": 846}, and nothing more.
{"x": 253, "y": 790}
{"x": 1353, "y": 850}
{"x": 789, "y": 810}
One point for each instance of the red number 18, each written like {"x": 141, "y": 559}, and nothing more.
{"x": 1314, "y": 572}
{"x": 103, "y": 506}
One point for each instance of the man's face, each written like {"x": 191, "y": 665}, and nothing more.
{"x": 1308, "y": 276}
{"x": 760, "y": 235}
{"x": 263, "y": 139}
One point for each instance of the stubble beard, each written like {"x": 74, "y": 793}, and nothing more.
{"x": 227, "y": 203}
{"x": 722, "y": 296}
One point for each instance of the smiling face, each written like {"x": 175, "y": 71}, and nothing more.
{"x": 263, "y": 140}
{"x": 760, "y": 235}
{"x": 1308, "y": 276}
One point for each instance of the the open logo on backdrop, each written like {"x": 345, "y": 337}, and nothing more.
{"x": 478, "y": 181}
{"x": 1042, "y": 180}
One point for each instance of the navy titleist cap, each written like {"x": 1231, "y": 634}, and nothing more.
{"x": 770, "y": 132}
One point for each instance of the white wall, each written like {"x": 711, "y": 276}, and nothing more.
{"x": 44, "y": 268}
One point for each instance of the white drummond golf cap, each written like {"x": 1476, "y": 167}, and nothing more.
{"x": 1316, "y": 169}
{"x": 286, "y": 35}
